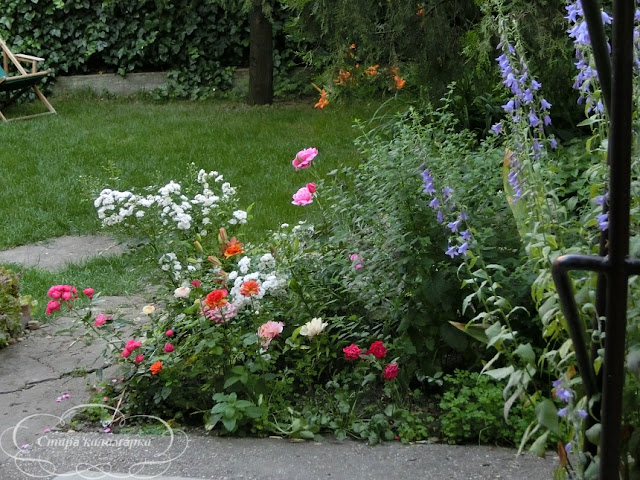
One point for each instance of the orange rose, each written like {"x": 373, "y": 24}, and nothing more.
{"x": 249, "y": 288}
{"x": 216, "y": 298}
{"x": 156, "y": 368}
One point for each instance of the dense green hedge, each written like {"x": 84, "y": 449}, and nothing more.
{"x": 197, "y": 42}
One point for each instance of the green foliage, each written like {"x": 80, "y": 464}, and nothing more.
{"x": 198, "y": 44}
{"x": 10, "y": 306}
{"x": 473, "y": 412}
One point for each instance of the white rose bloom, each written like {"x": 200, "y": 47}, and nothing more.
{"x": 148, "y": 309}
{"x": 182, "y": 292}
{"x": 313, "y": 328}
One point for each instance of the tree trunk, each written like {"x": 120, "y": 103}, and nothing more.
{"x": 260, "y": 57}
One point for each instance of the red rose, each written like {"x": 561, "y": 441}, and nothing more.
{"x": 390, "y": 371}
{"x": 352, "y": 352}
{"x": 377, "y": 349}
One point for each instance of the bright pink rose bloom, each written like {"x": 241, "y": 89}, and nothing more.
{"x": 196, "y": 283}
{"x": 126, "y": 352}
{"x": 54, "y": 292}
{"x": 53, "y": 306}
{"x": 139, "y": 358}
{"x": 269, "y": 331}
{"x": 169, "y": 333}
{"x": 168, "y": 348}
{"x": 302, "y": 197}
{"x": 358, "y": 266}
{"x": 304, "y": 158}
{"x": 88, "y": 292}
{"x": 377, "y": 349}
{"x": 220, "y": 314}
{"x": 66, "y": 296}
{"x": 353, "y": 257}
{"x": 352, "y": 352}
{"x": 101, "y": 320}
{"x": 132, "y": 345}
{"x": 311, "y": 187}
{"x": 390, "y": 371}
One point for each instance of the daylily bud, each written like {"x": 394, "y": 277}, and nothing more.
{"x": 222, "y": 236}
{"x": 198, "y": 246}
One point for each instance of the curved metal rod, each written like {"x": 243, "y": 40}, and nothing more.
{"x": 560, "y": 272}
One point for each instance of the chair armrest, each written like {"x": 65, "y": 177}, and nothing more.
{"x": 30, "y": 58}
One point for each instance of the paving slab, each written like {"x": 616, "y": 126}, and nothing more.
{"x": 45, "y": 365}
{"x": 55, "y": 254}
{"x": 210, "y": 457}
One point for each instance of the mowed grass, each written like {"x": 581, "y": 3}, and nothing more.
{"x": 43, "y": 160}
{"x": 49, "y": 165}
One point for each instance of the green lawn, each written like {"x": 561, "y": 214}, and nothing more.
{"x": 44, "y": 160}
{"x": 49, "y": 166}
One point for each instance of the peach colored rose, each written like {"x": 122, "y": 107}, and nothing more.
{"x": 269, "y": 331}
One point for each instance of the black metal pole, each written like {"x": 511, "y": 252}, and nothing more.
{"x": 619, "y": 153}
{"x": 593, "y": 16}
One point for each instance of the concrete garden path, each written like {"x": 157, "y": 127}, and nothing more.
{"x": 45, "y": 366}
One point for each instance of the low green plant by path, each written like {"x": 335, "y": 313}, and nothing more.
{"x": 100, "y": 142}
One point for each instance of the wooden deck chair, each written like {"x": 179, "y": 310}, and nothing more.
{"x": 15, "y": 85}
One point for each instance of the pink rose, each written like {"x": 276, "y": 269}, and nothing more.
{"x": 196, "y": 283}
{"x": 304, "y": 158}
{"x": 311, "y": 187}
{"x": 390, "y": 371}
{"x": 139, "y": 358}
{"x": 169, "y": 333}
{"x": 353, "y": 257}
{"x": 302, "y": 197}
{"x": 54, "y": 292}
{"x": 269, "y": 331}
{"x": 220, "y": 314}
{"x": 132, "y": 345}
{"x": 101, "y": 320}
{"x": 352, "y": 352}
{"x": 168, "y": 348}
{"x": 126, "y": 352}
{"x": 66, "y": 296}
{"x": 53, "y": 306}
{"x": 88, "y": 292}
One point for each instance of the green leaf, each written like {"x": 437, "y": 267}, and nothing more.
{"x": 547, "y": 415}
{"x": 229, "y": 423}
{"x": 593, "y": 434}
{"x": 477, "y": 332}
{"x": 500, "y": 373}
{"x": 525, "y": 352}
{"x": 539, "y": 447}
